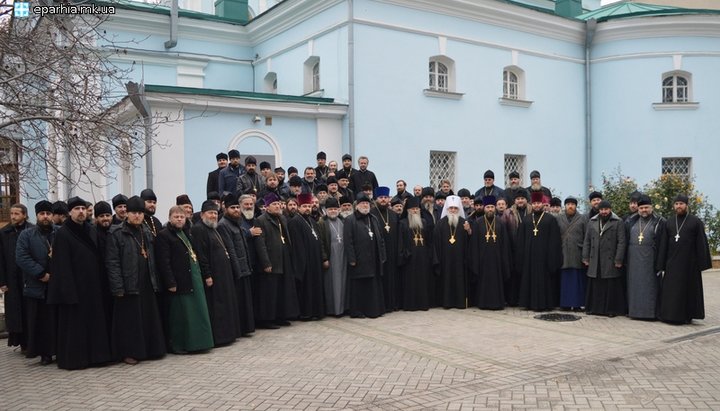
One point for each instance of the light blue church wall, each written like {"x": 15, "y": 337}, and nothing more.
{"x": 638, "y": 136}
{"x": 396, "y": 124}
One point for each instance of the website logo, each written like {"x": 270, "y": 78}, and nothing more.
{"x": 21, "y": 9}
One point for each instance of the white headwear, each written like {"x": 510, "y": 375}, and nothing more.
{"x": 452, "y": 201}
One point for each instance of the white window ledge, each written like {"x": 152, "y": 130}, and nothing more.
{"x": 316, "y": 93}
{"x": 676, "y": 106}
{"x": 443, "y": 94}
{"x": 514, "y": 102}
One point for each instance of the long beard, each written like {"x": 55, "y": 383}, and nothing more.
{"x": 428, "y": 206}
{"x": 415, "y": 221}
{"x": 248, "y": 214}
{"x": 453, "y": 219}
{"x": 535, "y": 187}
{"x": 211, "y": 224}
{"x": 346, "y": 213}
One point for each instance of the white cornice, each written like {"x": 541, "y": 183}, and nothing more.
{"x": 656, "y": 54}
{"x": 501, "y": 14}
{"x": 657, "y": 27}
{"x": 211, "y": 104}
{"x": 285, "y": 16}
{"x": 144, "y": 22}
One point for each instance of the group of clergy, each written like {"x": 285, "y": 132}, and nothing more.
{"x": 90, "y": 291}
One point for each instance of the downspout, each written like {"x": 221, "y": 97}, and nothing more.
{"x": 136, "y": 92}
{"x": 590, "y": 27}
{"x": 351, "y": 78}
{"x": 173, "y": 25}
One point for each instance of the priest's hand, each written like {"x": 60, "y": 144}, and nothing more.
{"x": 268, "y": 269}
{"x": 326, "y": 264}
{"x": 467, "y": 228}
{"x": 585, "y": 263}
{"x": 353, "y": 264}
{"x": 256, "y": 231}
{"x": 660, "y": 273}
{"x": 45, "y": 278}
{"x": 618, "y": 265}
{"x": 209, "y": 281}
{"x": 172, "y": 289}
{"x": 119, "y": 295}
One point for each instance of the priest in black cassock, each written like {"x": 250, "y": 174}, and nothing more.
{"x": 415, "y": 254}
{"x": 684, "y": 254}
{"x": 365, "y": 253}
{"x": 11, "y": 277}
{"x": 489, "y": 257}
{"x": 275, "y": 295}
{"x": 216, "y": 266}
{"x": 389, "y": 230}
{"x": 231, "y": 230}
{"x": 644, "y": 231}
{"x": 604, "y": 255}
{"x": 75, "y": 289}
{"x": 309, "y": 260}
{"x": 450, "y": 245}
{"x": 539, "y": 253}
{"x": 137, "y": 329}
{"x": 151, "y": 222}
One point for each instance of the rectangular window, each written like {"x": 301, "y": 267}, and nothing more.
{"x": 514, "y": 162}
{"x": 9, "y": 178}
{"x": 680, "y": 166}
{"x": 442, "y": 167}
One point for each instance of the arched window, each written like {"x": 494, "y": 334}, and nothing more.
{"x": 316, "y": 77}
{"x": 438, "y": 76}
{"x": 271, "y": 82}
{"x": 676, "y": 88}
{"x": 511, "y": 87}
{"x": 311, "y": 82}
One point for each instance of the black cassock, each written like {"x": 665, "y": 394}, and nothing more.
{"x": 214, "y": 258}
{"x": 681, "y": 294}
{"x": 364, "y": 247}
{"x": 489, "y": 261}
{"x": 540, "y": 257}
{"x": 75, "y": 287}
{"x": 389, "y": 227}
{"x": 449, "y": 260}
{"x": 308, "y": 256}
{"x": 11, "y": 276}
{"x": 415, "y": 261}
{"x": 233, "y": 234}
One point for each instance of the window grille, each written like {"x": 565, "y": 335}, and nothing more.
{"x": 438, "y": 76}
{"x": 510, "y": 85}
{"x": 675, "y": 89}
{"x": 514, "y": 162}
{"x": 442, "y": 167}
{"x": 679, "y": 166}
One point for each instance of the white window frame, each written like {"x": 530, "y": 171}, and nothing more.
{"x": 679, "y": 93}
{"x": 514, "y": 97}
{"x": 441, "y": 83}
{"x": 270, "y": 83}
{"x": 312, "y": 78}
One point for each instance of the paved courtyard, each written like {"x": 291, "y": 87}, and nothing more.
{"x": 440, "y": 359}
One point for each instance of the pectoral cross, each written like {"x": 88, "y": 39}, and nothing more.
{"x": 535, "y": 231}
{"x": 640, "y": 238}
{"x": 371, "y": 234}
{"x": 494, "y": 236}
{"x": 50, "y": 253}
{"x": 418, "y": 238}
{"x": 282, "y": 238}
{"x": 387, "y": 227}
{"x": 452, "y": 239}
{"x": 315, "y": 234}
{"x": 339, "y": 238}
{"x": 193, "y": 256}
{"x": 677, "y": 237}
{"x": 487, "y": 237}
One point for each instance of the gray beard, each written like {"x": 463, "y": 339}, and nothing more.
{"x": 453, "y": 219}
{"x": 429, "y": 207}
{"x": 415, "y": 222}
{"x": 211, "y": 224}
{"x": 248, "y": 214}
{"x": 535, "y": 187}
{"x": 364, "y": 211}
{"x": 346, "y": 214}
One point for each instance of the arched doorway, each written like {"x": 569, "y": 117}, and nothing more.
{"x": 259, "y": 144}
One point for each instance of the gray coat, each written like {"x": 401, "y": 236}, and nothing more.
{"x": 573, "y": 237}
{"x": 603, "y": 252}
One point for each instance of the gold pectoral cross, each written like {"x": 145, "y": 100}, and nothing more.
{"x": 452, "y": 239}
{"x": 282, "y": 239}
{"x": 535, "y": 231}
{"x": 640, "y": 238}
{"x": 487, "y": 237}
{"x": 418, "y": 239}
{"x": 677, "y": 237}
{"x": 494, "y": 236}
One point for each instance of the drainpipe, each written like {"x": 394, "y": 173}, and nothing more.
{"x": 351, "y": 78}
{"x": 590, "y": 27}
{"x": 136, "y": 92}
{"x": 173, "y": 25}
